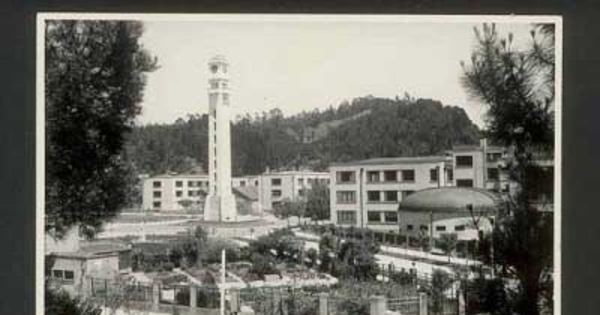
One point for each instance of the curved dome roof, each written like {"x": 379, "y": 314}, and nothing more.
{"x": 450, "y": 199}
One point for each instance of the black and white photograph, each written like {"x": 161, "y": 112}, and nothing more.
{"x": 297, "y": 164}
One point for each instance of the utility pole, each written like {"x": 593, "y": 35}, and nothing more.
{"x": 223, "y": 282}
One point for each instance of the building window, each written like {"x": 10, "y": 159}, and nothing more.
{"x": 409, "y": 227}
{"x": 275, "y": 204}
{"x": 69, "y": 275}
{"x": 300, "y": 181}
{"x": 433, "y": 175}
{"x": 58, "y": 274}
{"x": 373, "y": 217}
{"x": 275, "y": 181}
{"x": 346, "y": 197}
{"x": 243, "y": 183}
{"x": 391, "y": 217}
{"x": 157, "y": 194}
{"x": 301, "y": 192}
{"x": 391, "y": 196}
{"x": 346, "y": 217}
{"x": 156, "y": 205}
{"x": 390, "y": 176}
{"x": 464, "y": 183}
{"x": 459, "y": 228}
{"x": 63, "y": 275}
{"x": 450, "y": 175}
{"x": 178, "y": 183}
{"x": 494, "y": 157}
{"x": 191, "y": 183}
{"x": 156, "y": 184}
{"x": 493, "y": 174}
{"x": 373, "y": 176}
{"x": 345, "y": 177}
{"x": 423, "y": 227}
{"x": 408, "y": 175}
{"x": 191, "y": 193}
{"x": 256, "y": 183}
{"x": 464, "y": 161}
{"x": 179, "y": 193}
{"x": 440, "y": 228}
{"x": 276, "y": 193}
{"x": 373, "y": 196}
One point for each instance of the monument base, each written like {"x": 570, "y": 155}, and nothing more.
{"x": 220, "y": 209}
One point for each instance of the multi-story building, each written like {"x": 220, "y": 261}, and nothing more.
{"x": 174, "y": 192}
{"x": 246, "y": 181}
{"x": 276, "y": 187}
{"x": 177, "y": 192}
{"x": 480, "y": 166}
{"x": 366, "y": 193}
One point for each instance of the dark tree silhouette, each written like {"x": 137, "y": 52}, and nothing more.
{"x": 94, "y": 81}
{"x": 517, "y": 86}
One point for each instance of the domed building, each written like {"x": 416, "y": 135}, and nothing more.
{"x": 435, "y": 211}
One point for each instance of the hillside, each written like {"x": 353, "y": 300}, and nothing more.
{"x": 364, "y": 128}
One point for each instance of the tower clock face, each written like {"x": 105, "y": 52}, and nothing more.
{"x": 214, "y": 68}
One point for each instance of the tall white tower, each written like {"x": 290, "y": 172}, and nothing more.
{"x": 220, "y": 202}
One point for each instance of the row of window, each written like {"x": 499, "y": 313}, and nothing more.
{"x": 275, "y": 193}
{"x": 438, "y": 228}
{"x": 388, "y": 216}
{"x": 349, "y": 196}
{"x": 63, "y": 275}
{"x": 178, "y": 193}
{"x": 310, "y": 181}
{"x": 344, "y": 177}
{"x": 243, "y": 183}
{"x": 179, "y": 183}
{"x": 388, "y": 195}
{"x": 467, "y": 160}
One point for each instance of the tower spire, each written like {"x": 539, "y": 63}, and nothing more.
{"x": 220, "y": 202}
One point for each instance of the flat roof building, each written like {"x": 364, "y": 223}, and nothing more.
{"x": 366, "y": 193}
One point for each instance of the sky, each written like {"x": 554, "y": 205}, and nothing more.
{"x": 302, "y": 65}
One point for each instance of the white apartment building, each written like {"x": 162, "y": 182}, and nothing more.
{"x": 178, "y": 192}
{"x": 275, "y": 187}
{"x": 366, "y": 193}
{"x": 174, "y": 192}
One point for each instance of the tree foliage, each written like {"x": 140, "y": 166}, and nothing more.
{"x": 383, "y": 127}
{"x": 517, "y": 87}
{"x": 94, "y": 76}
{"x": 59, "y": 302}
{"x": 317, "y": 202}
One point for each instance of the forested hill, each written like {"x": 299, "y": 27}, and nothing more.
{"x": 367, "y": 127}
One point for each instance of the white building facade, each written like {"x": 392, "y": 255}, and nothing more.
{"x": 175, "y": 192}
{"x": 277, "y": 187}
{"x": 367, "y": 193}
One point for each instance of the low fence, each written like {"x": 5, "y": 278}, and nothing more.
{"x": 198, "y": 299}
{"x": 405, "y": 305}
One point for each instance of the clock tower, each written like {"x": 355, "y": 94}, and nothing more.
{"x": 220, "y": 202}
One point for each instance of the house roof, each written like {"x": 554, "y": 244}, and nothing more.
{"x": 450, "y": 199}
{"x": 247, "y": 192}
{"x": 96, "y": 249}
{"x": 395, "y": 160}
